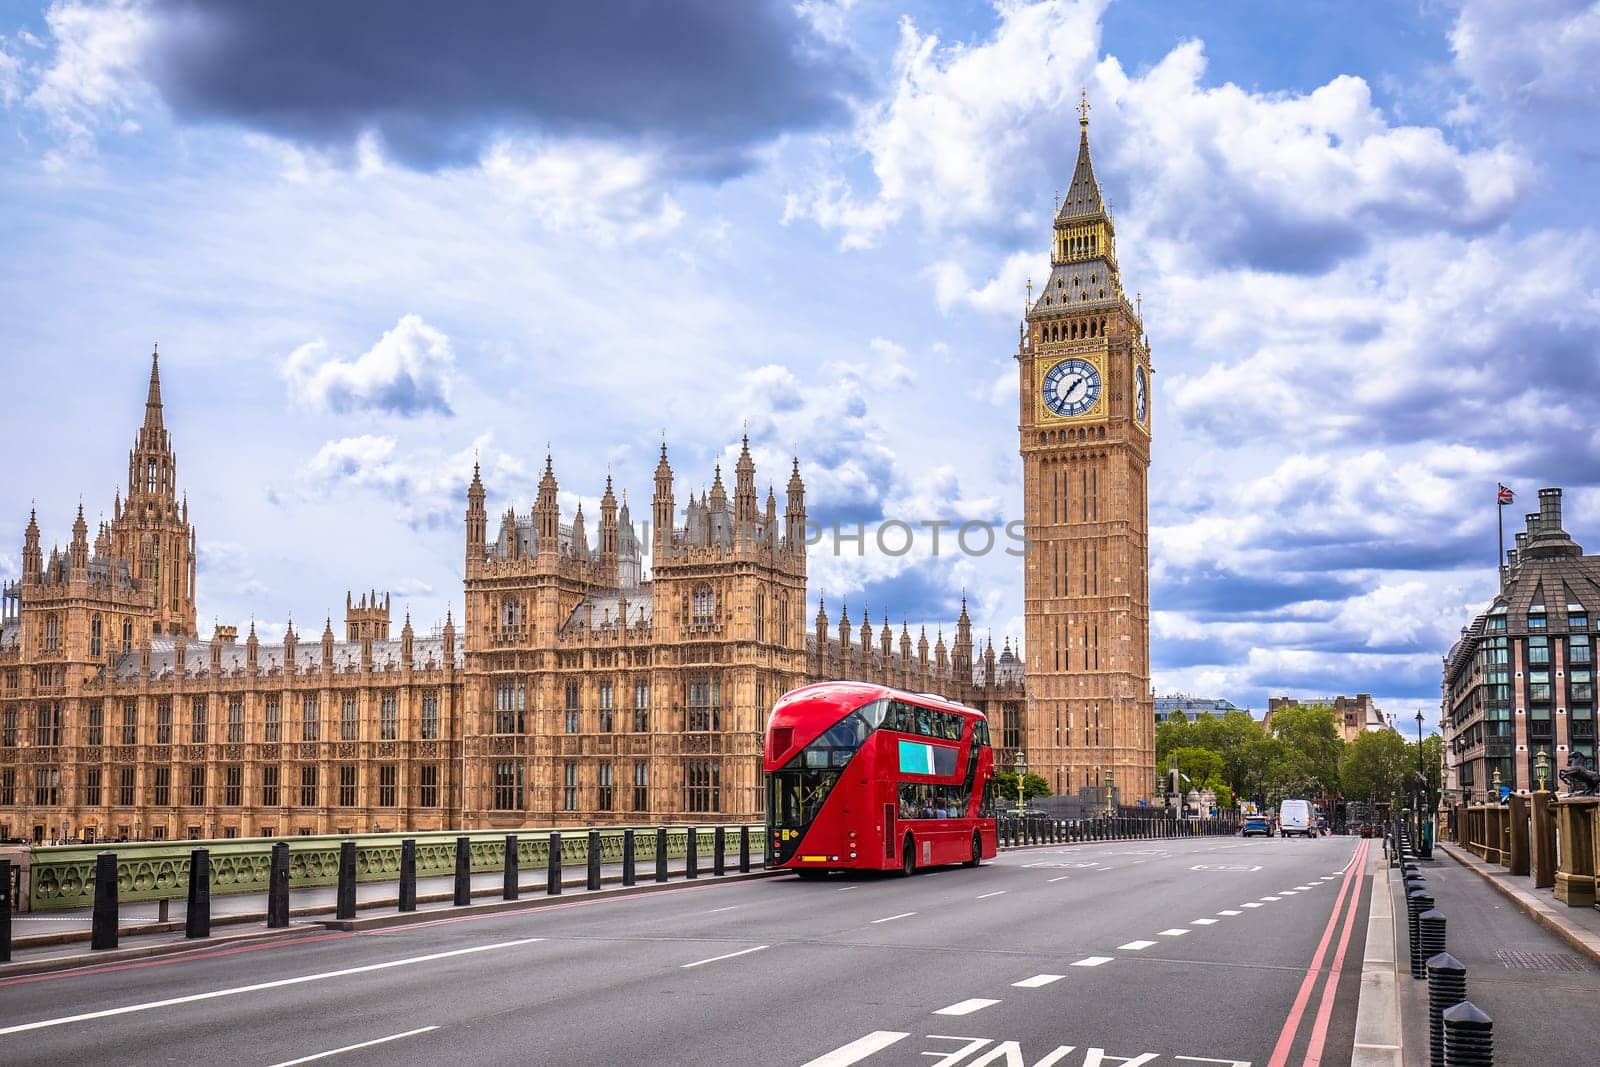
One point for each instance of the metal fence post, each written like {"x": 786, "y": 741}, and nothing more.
{"x": 744, "y": 850}
{"x": 345, "y": 903}
{"x": 719, "y": 844}
{"x": 5, "y": 911}
{"x": 661, "y": 853}
{"x": 1468, "y": 1037}
{"x": 1430, "y": 935}
{"x": 104, "y": 932}
{"x": 511, "y": 888}
{"x": 1419, "y": 900}
{"x": 408, "y": 874}
{"x": 463, "y": 871}
{"x": 278, "y": 887}
{"x": 593, "y": 858}
{"x": 1447, "y": 987}
{"x": 552, "y": 866}
{"x": 629, "y": 860}
{"x": 197, "y": 919}
{"x": 691, "y": 860}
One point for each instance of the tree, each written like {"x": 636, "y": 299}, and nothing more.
{"x": 1377, "y": 765}
{"x": 1005, "y": 786}
{"x": 1313, "y": 748}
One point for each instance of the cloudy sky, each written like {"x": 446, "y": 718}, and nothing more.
{"x": 374, "y": 242}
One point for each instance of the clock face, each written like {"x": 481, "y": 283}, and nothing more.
{"x": 1072, "y": 388}
{"x": 1141, "y": 398}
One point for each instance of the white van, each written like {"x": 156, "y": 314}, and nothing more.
{"x": 1296, "y": 817}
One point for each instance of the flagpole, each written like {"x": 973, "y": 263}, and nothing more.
{"x": 1500, "y": 516}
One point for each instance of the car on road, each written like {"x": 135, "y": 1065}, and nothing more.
{"x": 1296, "y": 817}
{"x": 1256, "y": 824}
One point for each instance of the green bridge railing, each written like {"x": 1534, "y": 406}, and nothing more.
{"x": 63, "y": 876}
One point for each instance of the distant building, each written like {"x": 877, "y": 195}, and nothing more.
{"x": 1194, "y": 707}
{"x": 1521, "y": 678}
{"x": 1356, "y": 714}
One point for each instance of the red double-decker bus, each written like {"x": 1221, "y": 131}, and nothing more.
{"x": 864, "y": 776}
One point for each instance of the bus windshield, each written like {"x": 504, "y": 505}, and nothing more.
{"x": 796, "y": 792}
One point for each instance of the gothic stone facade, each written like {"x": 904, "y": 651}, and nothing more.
{"x": 578, "y": 690}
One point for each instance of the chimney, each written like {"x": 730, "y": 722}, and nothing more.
{"x": 1550, "y": 510}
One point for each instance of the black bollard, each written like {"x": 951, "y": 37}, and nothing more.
{"x": 511, "y": 888}
{"x": 744, "y": 850}
{"x": 691, "y": 861}
{"x": 661, "y": 853}
{"x": 463, "y": 872}
{"x": 1418, "y": 901}
{"x": 629, "y": 875}
{"x": 197, "y": 918}
{"x": 1468, "y": 1037}
{"x": 593, "y": 857}
{"x": 1430, "y": 935}
{"x": 719, "y": 845}
{"x": 552, "y": 867}
{"x": 346, "y": 900}
{"x": 1447, "y": 987}
{"x": 104, "y": 934}
{"x": 408, "y": 874}
{"x": 5, "y": 911}
{"x": 278, "y": 887}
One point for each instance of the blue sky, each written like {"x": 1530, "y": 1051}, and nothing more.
{"x": 373, "y": 245}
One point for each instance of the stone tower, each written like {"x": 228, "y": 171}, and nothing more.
{"x": 1084, "y": 385}
{"x": 151, "y": 528}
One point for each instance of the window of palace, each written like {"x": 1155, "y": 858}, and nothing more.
{"x": 163, "y": 722}
{"x": 705, "y": 606}
{"x": 388, "y": 784}
{"x": 703, "y": 786}
{"x": 641, "y": 786}
{"x": 273, "y": 720}
{"x": 428, "y": 785}
{"x": 308, "y": 786}
{"x": 641, "y": 707}
{"x": 430, "y": 715}
{"x": 310, "y": 724}
{"x": 197, "y": 786}
{"x": 197, "y": 721}
{"x": 269, "y": 786}
{"x": 349, "y": 724}
{"x": 509, "y": 707}
{"x": 569, "y": 786}
{"x": 94, "y": 636}
{"x": 347, "y": 785}
{"x": 235, "y": 721}
{"x": 389, "y": 715}
{"x": 603, "y": 799}
{"x": 703, "y": 703}
{"x": 97, "y": 731}
{"x": 125, "y": 786}
{"x": 233, "y": 786}
{"x": 161, "y": 787}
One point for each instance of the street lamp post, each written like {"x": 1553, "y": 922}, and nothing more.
{"x": 1424, "y": 821}
{"x": 1021, "y": 767}
{"x": 1110, "y": 793}
{"x": 1541, "y": 763}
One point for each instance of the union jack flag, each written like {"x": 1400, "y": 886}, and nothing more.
{"x": 1507, "y": 496}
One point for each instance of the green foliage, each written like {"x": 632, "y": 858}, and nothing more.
{"x": 1005, "y": 785}
{"x": 1377, "y": 765}
{"x": 1300, "y": 758}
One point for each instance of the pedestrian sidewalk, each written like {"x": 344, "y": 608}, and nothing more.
{"x": 1537, "y": 987}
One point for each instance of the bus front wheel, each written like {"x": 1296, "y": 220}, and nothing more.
{"x": 908, "y": 856}
{"x": 977, "y": 852}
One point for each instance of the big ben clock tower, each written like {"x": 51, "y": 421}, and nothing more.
{"x": 1084, "y": 372}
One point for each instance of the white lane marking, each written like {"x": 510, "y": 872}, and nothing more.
{"x": 1311, "y": 886}
{"x": 859, "y": 1049}
{"x": 1203, "y": 922}
{"x": 129, "y": 1009}
{"x": 1174, "y": 932}
{"x": 1063, "y": 878}
{"x": 967, "y": 1007}
{"x": 892, "y": 918}
{"x": 1252, "y": 904}
{"x": 725, "y": 956}
{"x": 1230, "y": 911}
{"x": 1271, "y": 898}
{"x": 352, "y": 1048}
{"x": 1136, "y": 946}
{"x": 986, "y": 896}
{"x": 1093, "y": 961}
{"x": 846, "y": 889}
{"x": 1287, "y": 893}
{"x": 1038, "y": 980}
{"x": 713, "y": 911}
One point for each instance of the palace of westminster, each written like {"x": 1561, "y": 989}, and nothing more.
{"x": 578, "y": 689}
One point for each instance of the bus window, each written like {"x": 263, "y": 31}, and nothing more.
{"x": 875, "y": 713}
{"x": 924, "y": 723}
{"x": 901, "y": 717}
{"x": 980, "y": 732}
{"x": 952, "y": 726}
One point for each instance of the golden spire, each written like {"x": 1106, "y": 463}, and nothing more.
{"x": 1083, "y": 108}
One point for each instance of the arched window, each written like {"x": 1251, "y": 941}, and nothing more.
{"x": 52, "y": 632}
{"x": 150, "y": 483}
{"x": 94, "y": 636}
{"x": 510, "y": 613}
{"x": 705, "y": 606}
{"x": 127, "y": 636}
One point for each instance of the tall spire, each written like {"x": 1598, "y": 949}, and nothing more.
{"x": 152, "y": 403}
{"x": 1083, "y": 195}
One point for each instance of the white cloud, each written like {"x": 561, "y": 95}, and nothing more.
{"x": 973, "y": 135}
{"x": 587, "y": 187}
{"x": 92, "y": 79}
{"x": 410, "y": 371}
{"x": 1534, "y": 62}
{"x": 426, "y": 486}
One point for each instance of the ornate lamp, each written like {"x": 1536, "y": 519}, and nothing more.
{"x": 1541, "y": 764}
{"x": 1020, "y": 765}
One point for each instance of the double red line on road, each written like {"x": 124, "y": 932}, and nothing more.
{"x": 1347, "y": 901}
